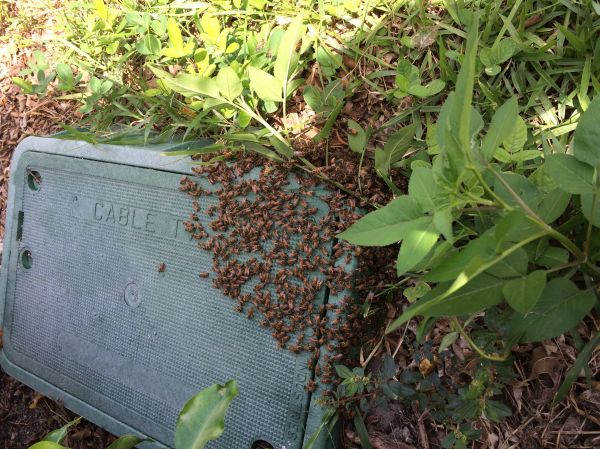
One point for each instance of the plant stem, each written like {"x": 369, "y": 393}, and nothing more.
{"x": 488, "y": 189}
{"x": 563, "y": 239}
{"x": 494, "y": 357}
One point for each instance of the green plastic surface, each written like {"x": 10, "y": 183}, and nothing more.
{"x": 88, "y": 318}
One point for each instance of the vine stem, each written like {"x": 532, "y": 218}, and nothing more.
{"x": 488, "y": 189}
{"x": 464, "y": 334}
{"x": 563, "y": 239}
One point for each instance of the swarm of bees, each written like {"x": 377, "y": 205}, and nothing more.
{"x": 273, "y": 251}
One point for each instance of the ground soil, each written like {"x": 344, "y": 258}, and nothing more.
{"x": 26, "y": 416}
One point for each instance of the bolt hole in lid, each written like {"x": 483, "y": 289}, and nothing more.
{"x": 26, "y": 259}
{"x": 262, "y": 444}
{"x": 34, "y": 180}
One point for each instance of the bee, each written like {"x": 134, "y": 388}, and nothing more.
{"x": 161, "y": 267}
{"x": 203, "y": 274}
{"x": 250, "y": 313}
{"x": 311, "y": 386}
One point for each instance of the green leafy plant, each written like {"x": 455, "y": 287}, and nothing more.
{"x": 498, "y": 53}
{"x": 485, "y": 230}
{"x": 201, "y": 420}
{"x": 39, "y": 69}
{"x": 408, "y": 82}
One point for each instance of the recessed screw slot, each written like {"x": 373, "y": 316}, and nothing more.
{"x": 34, "y": 180}
{"x": 26, "y": 259}
{"x": 262, "y": 444}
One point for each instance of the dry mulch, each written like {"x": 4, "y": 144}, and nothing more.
{"x": 26, "y": 416}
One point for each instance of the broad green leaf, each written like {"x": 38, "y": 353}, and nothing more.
{"x": 56, "y": 436}
{"x": 442, "y": 219}
{"x": 561, "y": 307}
{"x": 211, "y": 26}
{"x": 313, "y": 98}
{"x": 590, "y": 206}
{"x": 422, "y": 188}
{"x": 101, "y": 10}
{"x": 46, "y": 445}
{"x": 523, "y": 293}
{"x": 357, "y": 139}
{"x": 448, "y": 341}
{"x": 435, "y": 87}
{"x": 64, "y": 73}
{"x": 496, "y": 411}
{"x": 504, "y": 50}
{"x": 25, "y": 85}
{"x": 416, "y": 244}
{"x": 416, "y": 292}
{"x": 498, "y": 53}
{"x": 398, "y": 143}
{"x": 343, "y": 372}
{"x": 517, "y": 137}
{"x": 188, "y": 85}
{"x": 492, "y": 70}
{"x": 472, "y": 270}
{"x": 202, "y": 419}
{"x": 287, "y": 57}
{"x": 501, "y": 126}
{"x": 480, "y": 293}
{"x": 553, "y": 205}
{"x": 582, "y": 359}
{"x": 394, "y": 149}
{"x": 149, "y": 45}
{"x": 222, "y": 40}
{"x": 244, "y": 119}
{"x": 586, "y": 140}
{"x": 175, "y": 53}
{"x": 529, "y": 193}
{"x": 125, "y": 442}
{"x": 266, "y": 86}
{"x": 229, "y": 83}
{"x": 439, "y": 251}
{"x": 384, "y": 226}
{"x": 409, "y": 72}
{"x": 552, "y": 257}
{"x": 513, "y": 265}
{"x": 174, "y": 34}
{"x": 136, "y": 19}
{"x": 569, "y": 174}
{"x": 513, "y": 227}
{"x": 522, "y": 156}
{"x": 450, "y": 267}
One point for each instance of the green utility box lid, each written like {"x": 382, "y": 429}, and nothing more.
{"x": 103, "y": 307}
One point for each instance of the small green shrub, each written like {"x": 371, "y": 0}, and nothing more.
{"x": 487, "y": 225}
